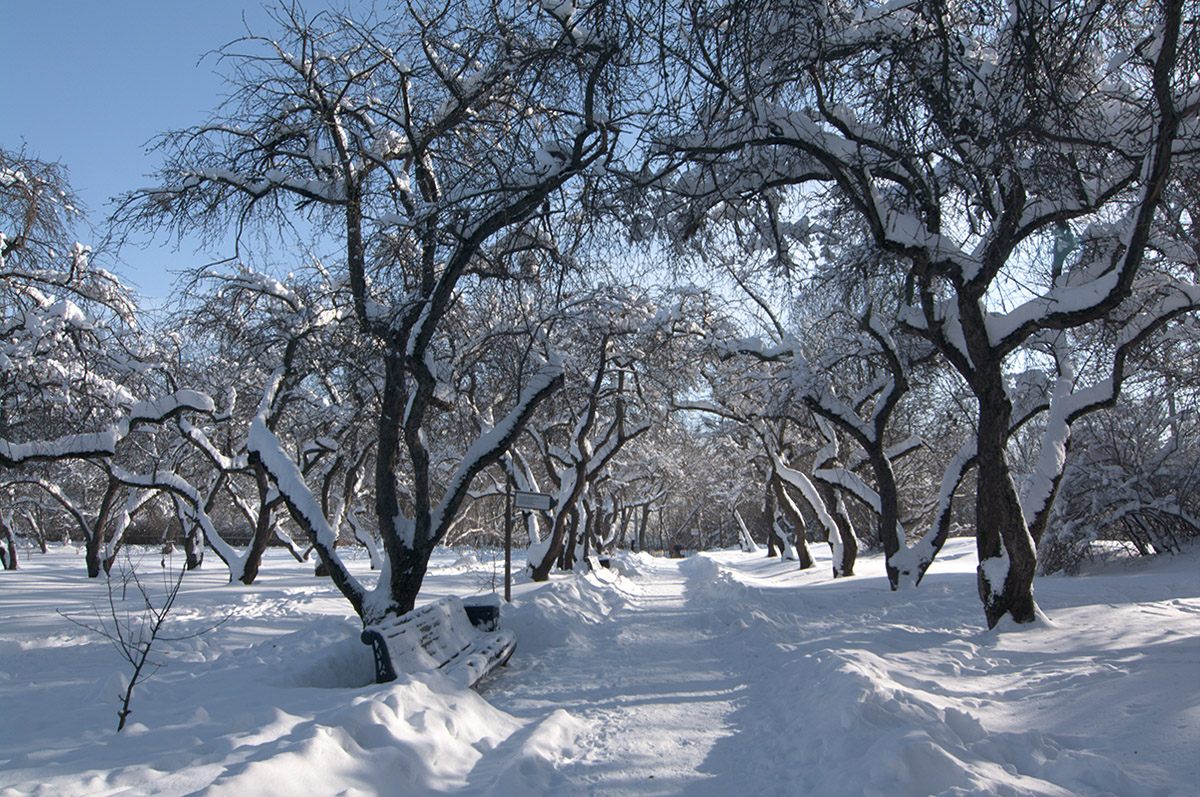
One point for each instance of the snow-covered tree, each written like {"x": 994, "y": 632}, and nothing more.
{"x": 1131, "y": 473}
{"x": 430, "y": 140}
{"x": 608, "y": 402}
{"x": 963, "y": 136}
{"x": 79, "y": 381}
{"x": 247, "y": 329}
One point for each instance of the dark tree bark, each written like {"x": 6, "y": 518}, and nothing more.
{"x": 94, "y": 546}
{"x": 642, "y": 525}
{"x": 796, "y": 520}
{"x": 837, "y": 506}
{"x": 1001, "y": 533}
{"x": 8, "y": 552}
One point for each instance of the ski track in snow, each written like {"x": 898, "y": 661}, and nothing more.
{"x": 715, "y": 675}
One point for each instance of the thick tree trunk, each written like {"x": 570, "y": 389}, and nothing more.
{"x": 1007, "y": 556}
{"x": 559, "y": 527}
{"x": 8, "y": 553}
{"x": 410, "y": 542}
{"x": 797, "y": 521}
{"x": 591, "y": 535}
{"x": 407, "y": 569}
{"x": 560, "y": 524}
{"x": 567, "y": 556}
{"x": 540, "y": 571}
{"x": 889, "y": 512}
{"x": 849, "y": 549}
{"x": 94, "y": 548}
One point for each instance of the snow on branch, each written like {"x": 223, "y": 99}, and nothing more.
{"x": 74, "y": 446}
{"x": 94, "y": 445}
{"x": 912, "y": 562}
{"x": 199, "y": 439}
{"x": 262, "y": 443}
{"x": 258, "y": 186}
{"x": 1068, "y": 404}
{"x": 616, "y": 437}
{"x": 193, "y": 502}
{"x": 904, "y": 447}
{"x": 806, "y": 488}
{"x": 1052, "y": 458}
{"x": 490, "y": 446}
{"x": 850, "y": 482}
{"x": 164, "y": 408}
{"x": 266, "y": 285}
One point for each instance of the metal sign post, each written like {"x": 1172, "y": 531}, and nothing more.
{"x": 508, "y": 510}
{"x": 525, "y": 501}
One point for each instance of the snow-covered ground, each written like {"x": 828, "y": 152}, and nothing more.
{"x": 722, "y": 674}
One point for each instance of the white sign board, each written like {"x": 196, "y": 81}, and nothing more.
{"x": 539, "y": 501}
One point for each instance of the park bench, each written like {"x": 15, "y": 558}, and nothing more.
{"x": 594, "y": 563}
{"x": 462, "y": 642}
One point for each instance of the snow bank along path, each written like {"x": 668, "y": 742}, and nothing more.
{"x": 722, "y": 674}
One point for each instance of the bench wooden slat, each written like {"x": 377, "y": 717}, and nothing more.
{"x": 437, "y": 636}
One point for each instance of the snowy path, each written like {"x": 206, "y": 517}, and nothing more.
{"x": 650, "y": 682}
{"x": 718, "y": 673}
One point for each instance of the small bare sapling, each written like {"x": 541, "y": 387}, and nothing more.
{"x": 135, "y": 620}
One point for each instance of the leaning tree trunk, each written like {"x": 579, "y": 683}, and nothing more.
{"x": 263, "y": 529}
{"x": 559, "y": 526}
{"x": 38, "y": 532}
{"x": 561, "y": 520}
{"x": 796, "y": 519}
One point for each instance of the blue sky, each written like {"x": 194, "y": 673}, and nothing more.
{"x": 89, "y": 82}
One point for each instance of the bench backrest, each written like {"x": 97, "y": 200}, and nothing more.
{"x": 427, "y": 638}
{"x": 439, "y": 636}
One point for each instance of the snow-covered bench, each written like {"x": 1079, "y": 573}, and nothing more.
{"x": 441, "y": 636}
{"x": 594, "y": 563}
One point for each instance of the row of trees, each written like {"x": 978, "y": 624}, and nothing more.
{"x": 930, "y": 241}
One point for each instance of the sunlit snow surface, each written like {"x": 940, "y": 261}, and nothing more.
{"x": 723, "y": 674}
